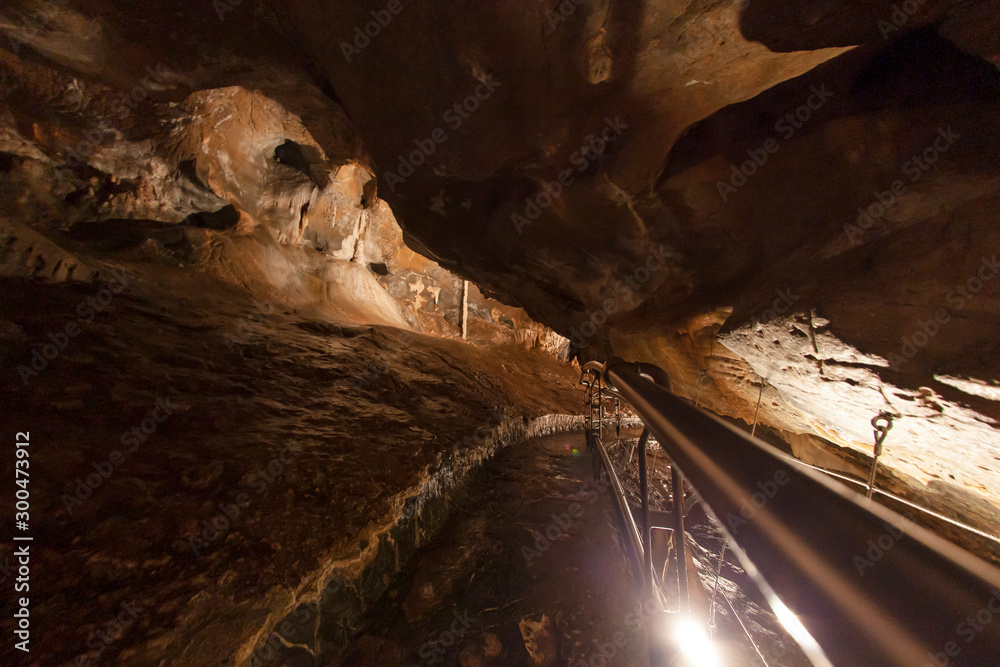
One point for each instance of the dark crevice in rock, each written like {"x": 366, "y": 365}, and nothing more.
{"x": 225, "y": 218}
{"x": 188, "y": 169}
{"x": 116, "y": 234}
{"x": 924, "y": 69}
{"x": 370, "y": 193}
{"x": 298, "y": 157}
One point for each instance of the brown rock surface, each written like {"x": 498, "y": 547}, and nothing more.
{"x": 802, "y": 195}
{"x": 288, "y": 448}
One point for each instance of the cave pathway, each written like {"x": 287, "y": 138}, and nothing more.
{"x": 528, "y": 570}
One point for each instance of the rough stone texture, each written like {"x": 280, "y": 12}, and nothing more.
{"x": 363, "y": 579}
{"x": 345, "y": 438}
{"x": 504, "y": 585}
{"x": 714, "y": 227}
{"x": 656, "y": 232}
{"x": 247, "y": 146}
{"x": 703, "y": 87}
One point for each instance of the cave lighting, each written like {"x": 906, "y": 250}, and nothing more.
{"x": 696, "y": 647}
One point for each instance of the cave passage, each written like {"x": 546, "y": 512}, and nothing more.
{"x": 515, "y": 575}
{"x": 295, "y": 300}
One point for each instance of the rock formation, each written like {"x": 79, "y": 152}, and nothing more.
{"x": 785, "y": 204}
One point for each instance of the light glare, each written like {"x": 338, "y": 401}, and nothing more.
{"x": 696, "y": 645}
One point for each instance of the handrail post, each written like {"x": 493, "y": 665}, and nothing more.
{"x": 589, "y": 422}
{"x": 647, "y": 550}
{"x": 595, "y": 433}
{"x": 600, "y": 408}
{"x": 680, "y": 547}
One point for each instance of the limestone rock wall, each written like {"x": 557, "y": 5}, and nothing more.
{"x": 800, "y": 193}
{"x": 263, "y": 181}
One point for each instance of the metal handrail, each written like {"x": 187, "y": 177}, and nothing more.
{"x": 903, "y": 501}
{"x": 853, "y": 582}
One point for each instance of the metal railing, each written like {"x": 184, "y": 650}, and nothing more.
{"x": 853, "y": 582}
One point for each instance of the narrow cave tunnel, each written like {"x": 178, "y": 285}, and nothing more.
{"x": 593, "y": 334}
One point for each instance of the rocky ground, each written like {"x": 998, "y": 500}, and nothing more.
{"x": 222, "y": 225}
{"x": 530, "y": 581}
{"x": 210, "y": 460}
{"x": 519, "y": 576}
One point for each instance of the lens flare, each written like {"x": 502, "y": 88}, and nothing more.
{"x": 696, "y": 646}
